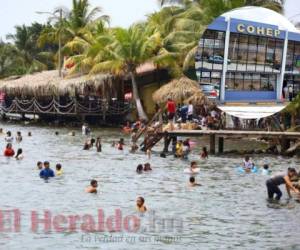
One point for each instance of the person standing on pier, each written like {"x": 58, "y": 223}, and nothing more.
{"x": 171, "y": 108}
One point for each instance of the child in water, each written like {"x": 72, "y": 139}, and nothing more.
{"x": 9, "y": 137}
{"x": 98, "y": 144}
{"x": 265, "y": 170}
{"x": 19, "y": 155}
{"x": 140, "y": 205}
{"x": 39, "y": 165}
{"x": 204, "y": 153}
{"x": 147, "y": 167}
{"x": 247, "y": 164}
{"x": 139, "y": 169}
{"x": 59, "y": 170}
{"x": 193, "y": 166}
{"x": 92, "y": 188}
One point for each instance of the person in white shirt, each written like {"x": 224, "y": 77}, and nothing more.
{"x": 190, "y": 111}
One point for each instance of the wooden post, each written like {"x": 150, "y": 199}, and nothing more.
{"x": 212, "y": 148}
{"x": 221, "y": 145}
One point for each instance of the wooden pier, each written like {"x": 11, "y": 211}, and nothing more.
{"x": 221, "y": 135}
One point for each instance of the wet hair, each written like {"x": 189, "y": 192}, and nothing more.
{"x": 142, "y": 199}
{"x": 192, "y": 179}
{"x": 204, "y": 149}
{"x": 292, "y": 170}
{"x": 29, "y": 134}
{"x": 139, "y": 168}
{"x": 18, "y": 133}
{"x": 56, "y": 133}
{"x": 93, "y": 182}
{"x": 93, "y": 141}
{"x": 193, "y": 163}
{"x": 58, "y": 166}
{"x": 8, "y": 133}
{"x": 20, "y": 151}
{"x": 247, "y": 157}
{"x": 8, "y": 145}
{"x": 266, "y": 166}
{"x": 147, "y": 166}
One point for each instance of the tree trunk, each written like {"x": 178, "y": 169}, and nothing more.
{"x": 136, "y": 96}
{"x": 293, "y": 120}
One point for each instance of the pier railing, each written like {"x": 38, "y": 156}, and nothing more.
{"x": 73, "y": 107}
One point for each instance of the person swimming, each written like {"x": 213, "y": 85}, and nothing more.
{"x": 9, "y": 137}
{"x": 193, "y": 166}
{"x": 147, "y": 167}
{"x": 247, "y": 164}
{"x": 265, "y": 170}
{"x": 47, "y": 172}
{"x": 98, "y": 144}
{"x": 39, "y": 165}
{"x": 29, "y": 134}
{"x": 204, "y": 153}
{"x": 140, "y": 205}
{"x": 92, "y": 188}
{"x": 9, "y": 152}
{"x": 19, "y": 155}
{"x": 19, "y": 137}
{"x": 193, "y": 182}
{"x": 277, "y": 180}
{"x": 59, "y": 170}
{"x": 139, "y": 169}
{"x": 121, "y": 144}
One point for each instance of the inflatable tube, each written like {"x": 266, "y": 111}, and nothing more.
{"x": 242, "y": 170}
{"x": 189, "y": 171}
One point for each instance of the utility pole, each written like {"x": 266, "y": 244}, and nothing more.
{"x": 60, "y": 19}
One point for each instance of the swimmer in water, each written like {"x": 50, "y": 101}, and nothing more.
{"x": 56, "y": 133}
{"x": 39, "y": 165}
{"x": 193, "y": 166}
{"x": 265, "y": 170}
{"x": 98, "y": 144}
{"x": 19, "y": 137}
{"x": 29, "y": 134}
{"x": 9, "y": 152}
{"x": 274, "y": 183}
{"x": 193, "y": 183}
{"x": 140, "y": 205}
{"x": 9, "y": 137}
{"x": 92, "y": 188}
{"x": 19, "y": 155}
{"x": 121, "y": 144}
{"x": 47, "y": 172}
{"x": 139, "y": 169}
{"x": 59, "y": 170}
{"x": 147, "y": 167}
{"x": 247, "y": 164}
{"x": 204, "y": 153}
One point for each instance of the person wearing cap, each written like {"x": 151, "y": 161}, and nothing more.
{"x": 47, "y": 172}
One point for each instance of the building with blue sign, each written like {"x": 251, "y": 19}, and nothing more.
{"x": 251, "y": 55}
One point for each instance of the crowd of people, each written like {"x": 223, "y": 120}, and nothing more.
{"x": 180, "y": 149}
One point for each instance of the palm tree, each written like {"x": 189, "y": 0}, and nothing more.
{"x": 25, "y": 40}
{"x": 120, "y": 52}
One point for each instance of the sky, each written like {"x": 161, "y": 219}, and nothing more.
{"x": 122, "y": 12}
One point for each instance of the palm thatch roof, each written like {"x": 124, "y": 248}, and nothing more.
{"x": 48, "y": 83}
{"x": 179, "y": 90}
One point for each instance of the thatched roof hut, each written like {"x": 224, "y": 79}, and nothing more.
{"x": 48, "y": 83}
{"x": 179, "y": 90}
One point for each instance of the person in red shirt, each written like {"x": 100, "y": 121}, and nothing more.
{"x": 171, "y": 108}
{"x": 9, "y": 152}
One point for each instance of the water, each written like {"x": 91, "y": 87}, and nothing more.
{"x": 229, "y": 210}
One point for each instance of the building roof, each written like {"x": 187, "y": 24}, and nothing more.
{"x": 262, "y": 15}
